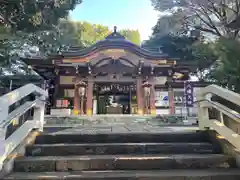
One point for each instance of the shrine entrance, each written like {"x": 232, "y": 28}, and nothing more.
{"x": 114, "y": 98}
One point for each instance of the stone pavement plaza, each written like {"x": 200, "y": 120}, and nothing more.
{"x": 117, "y": 125}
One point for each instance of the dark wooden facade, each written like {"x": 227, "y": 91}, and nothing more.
{"x": 113, "y": 63}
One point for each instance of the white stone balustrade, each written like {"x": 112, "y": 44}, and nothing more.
{"x": 8, "y": 144}
{"x": 225, "y": 114}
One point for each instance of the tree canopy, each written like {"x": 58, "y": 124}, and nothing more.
{"x": 226, "y": 71}
{"x": 87, "y": 34}
{"x": 188, "y": 49}
{"x": 131, "y": 35}
{"x": 208, "y": 16}
{"x": 217, "y": 60}
{"x": 34, "y": 15}
{"x": 30, "y": 28}
{"x": 43, "y": 42}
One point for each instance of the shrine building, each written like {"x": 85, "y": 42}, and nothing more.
{"x": 114, "y": 76}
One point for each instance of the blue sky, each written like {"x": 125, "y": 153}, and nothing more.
{"x": 130, "y": 14}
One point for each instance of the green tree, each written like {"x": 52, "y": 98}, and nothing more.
{"x": 208, "y": 16}
{"x": 91, "y": 33}
{"x": 204, "y": 56}
{"x": 29, "y": 28}
{"x": 131, "y": 35}
{"x": 198, "y": 53}
{"x": 34, "y": 15}
{"x": 174, "y": 46}
{"x": 226, "y": 71}
{"x": 170, "y": 24}
{"x": 71, "y": 33}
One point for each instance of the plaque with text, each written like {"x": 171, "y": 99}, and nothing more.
{"x": 188, "y": 94}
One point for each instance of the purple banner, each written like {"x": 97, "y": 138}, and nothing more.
{"x": 188, "y": 90}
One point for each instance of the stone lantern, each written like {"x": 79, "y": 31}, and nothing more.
{"x": 147, "y": 92}
{"x": 81, "y": 91}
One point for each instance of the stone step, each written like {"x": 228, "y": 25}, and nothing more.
{"x": 133, "y": 175}
{"x": 123, "y": 138}
{"x": 120, "y": 148}
{"x": 122, "y": 162}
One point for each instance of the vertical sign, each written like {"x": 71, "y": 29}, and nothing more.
{"x": 188, "y": 94}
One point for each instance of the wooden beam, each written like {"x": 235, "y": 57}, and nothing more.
{"x": 109, "y": 78}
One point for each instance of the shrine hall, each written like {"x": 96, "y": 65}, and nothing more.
{"x": 113, "y": 76}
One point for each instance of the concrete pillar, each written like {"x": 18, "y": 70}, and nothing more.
{"x": 139, "y": 96}
{"x": 76, "y": 101}
{"x": 89, "y": 98}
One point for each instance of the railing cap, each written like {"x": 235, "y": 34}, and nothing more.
{"x": 221, "y": 92}
{"x": 14, "y": 96}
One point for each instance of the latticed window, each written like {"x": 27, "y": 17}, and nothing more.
{"x": 69, "y": 93}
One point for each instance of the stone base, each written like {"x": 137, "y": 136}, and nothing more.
{"x": 60, "y": 112}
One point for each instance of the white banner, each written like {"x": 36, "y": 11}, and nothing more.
{"x": 161, "y": 98}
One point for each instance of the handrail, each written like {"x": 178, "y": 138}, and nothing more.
{"x": 225, "y": 110}
{"x": 16, "y": 95}
{"x": 18, "y": 112}
{"x": 9, "y": 141}
{"x": 216, "y": 105}
{"x": 221, "y": 92}
{"x": 218, "y": 124}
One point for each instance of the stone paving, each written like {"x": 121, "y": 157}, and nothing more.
{"x": 119, "y": 125}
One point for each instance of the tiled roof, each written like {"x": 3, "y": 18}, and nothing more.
{"x": 113, "y": 41}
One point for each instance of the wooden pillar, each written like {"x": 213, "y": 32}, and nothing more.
{"x": 171, "y": 100}
{"x": 56, "y": 90}
{"x": 76, "y": 101}
{"x": 152, "y": 100}
{"x": 82, "y": 105}
{"x": 139, "y": 96}
{"x": 145, "y": 103}
{"x": 89, "y": 98}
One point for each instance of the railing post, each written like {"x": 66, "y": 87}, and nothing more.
{"x": 2, "y": 146}
{"x": 221, "y": 117}
{"x": 3, "y": 110}
{"x": 203, "y": 115}
{"x": 39, "y": 112}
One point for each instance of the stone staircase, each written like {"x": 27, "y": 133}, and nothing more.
{"x": 125, "y": 156}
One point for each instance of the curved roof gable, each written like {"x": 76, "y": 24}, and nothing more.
{"x": 113, "y": 41}
{"x": 115, "y": 35}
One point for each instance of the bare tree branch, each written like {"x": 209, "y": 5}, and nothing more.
{"x": 209, "y": 23}
{"x": 207, "y": 30}
{"x": 229, "y": 8}
{"x": 213, "y": 15}
{"x": 214, "y": 10}
{"x": 237, "y": 6}
{"x": 236, "y": 32}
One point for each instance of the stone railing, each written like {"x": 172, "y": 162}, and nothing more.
{"x": 219, "y": 110}
{"x": 21, "y": 111}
